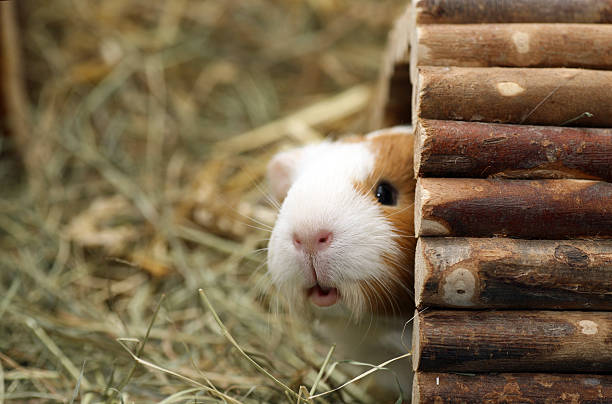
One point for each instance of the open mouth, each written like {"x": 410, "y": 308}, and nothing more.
{"x": 322, "y": 296}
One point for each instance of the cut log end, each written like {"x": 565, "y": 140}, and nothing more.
{"x": 420, "y": 271}
{"x": 416, "y": 392}
{"x": 416, "y": 341}
{"x": 424, "y": 226}
{"x": 419, "y": 139}
{"x": 418, "y": 208}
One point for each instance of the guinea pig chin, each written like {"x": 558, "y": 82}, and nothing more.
{"x": 330, "y": 250}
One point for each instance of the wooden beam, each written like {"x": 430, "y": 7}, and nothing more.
{"x": 513, "y": 274}
{"x": 449, "y": 388}
{"x": 515, "y": 95}
{"x": 546, "y": 209}
{"x": 481, "y": 150}
{"x": 512, "y": 45}
{"x": 512, "y": 11}
{"x": 512, "y": 341}
{"x": 392, "y": 102}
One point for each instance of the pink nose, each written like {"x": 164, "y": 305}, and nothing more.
{"x": 312, "y": 243}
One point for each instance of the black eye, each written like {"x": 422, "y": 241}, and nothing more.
{"x": 386, "y": 194}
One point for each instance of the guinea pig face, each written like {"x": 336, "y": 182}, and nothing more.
{"x": 344, "y": 234}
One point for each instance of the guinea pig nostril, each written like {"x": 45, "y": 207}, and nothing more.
{"x": 297, "y": 242}
{"x": 324, "y": 239}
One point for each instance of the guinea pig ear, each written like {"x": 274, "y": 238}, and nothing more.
{"x": 281, "y": 172}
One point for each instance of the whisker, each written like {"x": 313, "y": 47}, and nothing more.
{"x": 375, "y": 183}
{"x": 401, "y": 210}
{"x": 257, "y": 221}
{"x": 269, "y": 198}
{"x": 257, "y": 227}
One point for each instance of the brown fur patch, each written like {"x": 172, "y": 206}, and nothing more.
{"x": 394, "y": 157}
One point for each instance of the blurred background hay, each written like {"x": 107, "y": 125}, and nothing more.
{"x": 150, "y": 126}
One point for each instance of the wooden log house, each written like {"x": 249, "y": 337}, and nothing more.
{"x": 511, "y": 101}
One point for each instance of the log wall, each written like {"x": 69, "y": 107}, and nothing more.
{"x": 512, "y": 109}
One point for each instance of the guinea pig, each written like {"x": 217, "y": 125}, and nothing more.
{"x": 342, "y": 247}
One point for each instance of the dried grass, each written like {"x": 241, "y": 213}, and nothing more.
{"x": 152, "y": 123}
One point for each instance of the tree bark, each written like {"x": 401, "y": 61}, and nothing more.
{"x": 481, "y": 150}
{"x": 513, "y": 45}
{"x": 512, "y": 11}
{"x": 509, "y": 341}
{"x": 504, "y": 388}
{"x": 546, "y": 209}
{"x": 515, "y": 274}
{"x": 515, "y": 95}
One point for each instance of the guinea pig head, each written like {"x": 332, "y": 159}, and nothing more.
{"x": 344, "y": 233}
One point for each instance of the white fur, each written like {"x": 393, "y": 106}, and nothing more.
{"x": 323, "y": 196}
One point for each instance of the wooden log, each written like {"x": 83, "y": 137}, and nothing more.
{"x": 511, "y": 273}
{"x": 511, "y": 341}
{"x": 450, "y": 388}
{"x": 481, "y": 150}
{"x": 512, "y": 11}
{"x": 393, "y": 97}
{"x": 512, "y": 45}
{"x": 546, "y": 209}
{"x": 515, "y": 95}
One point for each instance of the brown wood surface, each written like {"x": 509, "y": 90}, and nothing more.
{"x": 506, "y": 388}
{"x": 392, "y": 104}
{"x": 511, "y": 341}
{"x": 481, "y": 150}
{"x": 513, "y": 45}
{"x": 512, "y": 11}
{"x": 515, "y": 95}
{"x": 510, "y": 273}
{"x": 545, "y": 209}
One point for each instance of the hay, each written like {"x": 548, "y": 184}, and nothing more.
{"x": 152, "y": 123}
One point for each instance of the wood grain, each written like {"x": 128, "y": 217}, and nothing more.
{"x": 545, "y": 209}
{"x": 504, "y": 388}
{"x": 509, "y": 341}
{"x": 513, "y": 274}
{"x": 515, "y": 95}
{"x": 512, "y": 11}
{"x": 393, "y": 97}
{"x": 512, "y": 45}
{"x": 481, "y": 150}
